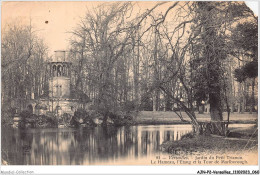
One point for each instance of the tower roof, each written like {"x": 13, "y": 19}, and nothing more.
{"x": 60, "y": 56}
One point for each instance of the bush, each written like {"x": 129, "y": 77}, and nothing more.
{"x": 6, "y": 119}
{"x": 81, "y": 116}
{"x": 121, "y": 118}
{"x": 27, "y": 119}
{"x": 129, "y": 106}
{"x": 25, "y": 114}
{"x": 36, "y": 121}
{"x": 43, "y": 121}
{"x": 146, "y": 103}
{"x": 187, "y": 136}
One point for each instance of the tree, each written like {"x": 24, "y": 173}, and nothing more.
{"x": 104, "y": 39}
{"x": 23, "y": 59}
{"x": 245, "y": 37}
{"x": 216, "y": 20}
{"x": 169, "y": 53}
{"x": 175, "y": 56}
{"x": 211, "y": 23}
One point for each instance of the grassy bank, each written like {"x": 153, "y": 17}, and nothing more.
{"x": 169, "y": 117}
{"x": 239, "y": 139}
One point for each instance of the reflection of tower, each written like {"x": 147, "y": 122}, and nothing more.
{"x": 59, "y": 82}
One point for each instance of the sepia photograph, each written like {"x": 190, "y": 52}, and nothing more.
{"x": 158, "y": 83}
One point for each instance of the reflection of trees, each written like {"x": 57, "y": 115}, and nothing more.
{"x": 94, "y": 144}
{"x": 103, "y": 143}
{"x": 86, "y": 146}
{"x": 15, "y": 146}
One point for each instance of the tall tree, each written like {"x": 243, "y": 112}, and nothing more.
{"x": 216, "y": 19}
{"x": 105, "y": 36}
{"x": 23, "y": 58}
{"x": 245, "y": 37}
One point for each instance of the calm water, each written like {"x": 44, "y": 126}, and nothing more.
{"x": 89, "y": 146}
{"x": 86, "y": 146}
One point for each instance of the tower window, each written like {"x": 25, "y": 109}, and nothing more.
{"x": 59, "y": 90}
{"x": 54, "y": 70}
{"x": 59, "y": 71}
{"x": 64, "y": 70}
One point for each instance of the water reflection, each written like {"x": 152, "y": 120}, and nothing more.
{"x": 86, "y": 146}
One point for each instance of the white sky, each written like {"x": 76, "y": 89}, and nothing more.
{"x": 253, "y": 5}
{"x": 62, "y": 17}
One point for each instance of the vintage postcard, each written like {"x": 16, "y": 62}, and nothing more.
{"x": 165, "y": 84}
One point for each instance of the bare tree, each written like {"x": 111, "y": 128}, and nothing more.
{"x": 23, "y": 58}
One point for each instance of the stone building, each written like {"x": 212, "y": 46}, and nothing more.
{"x": 59, "y": 100}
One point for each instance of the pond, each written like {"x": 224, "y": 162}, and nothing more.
{"x": 123, "y": 145}
{"x": 87, "y": 146}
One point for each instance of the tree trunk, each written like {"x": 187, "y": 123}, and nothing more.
{"x": 190, "y": 113}
{"x": 243, "y": 106}
{"x": 154, "y": 100}
{"x": 105, "y": 117}
{"x": 253, "y": 97}
{"x": 136, "y": 63}
{"x": 216, "y": 113}
{"x": 212, "y": 57}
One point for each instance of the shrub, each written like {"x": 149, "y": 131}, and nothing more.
{"x": 81, "y": 116}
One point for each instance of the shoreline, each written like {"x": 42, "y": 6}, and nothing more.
{"x": 170, "y": 118}
{"x": 241, "y": 140}
{"x": 151, "y": 122}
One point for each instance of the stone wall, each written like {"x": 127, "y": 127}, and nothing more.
{"x": 58, "y": 106}
{"x": 59, "y": 87}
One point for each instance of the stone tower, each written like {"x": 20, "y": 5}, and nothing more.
{"x": 59, "y": 100}
{"x": 59, "y": 82}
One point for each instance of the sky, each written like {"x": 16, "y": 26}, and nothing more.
{"x": 253, "y": 5}
{"x": 62, "y": 17}
{"x": 54, "y": 20}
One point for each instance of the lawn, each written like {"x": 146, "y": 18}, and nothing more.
{"x": 242, "y": 142}
{"x": 169, "y": 117}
